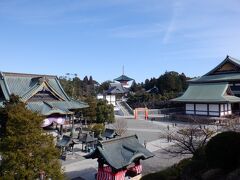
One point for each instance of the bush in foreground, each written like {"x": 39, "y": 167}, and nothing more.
{"x": 223, "y": 151}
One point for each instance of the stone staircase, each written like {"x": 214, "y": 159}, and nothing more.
{"x": 125, "y": 108}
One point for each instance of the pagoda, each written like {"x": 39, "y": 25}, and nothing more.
{"x": 123, "y": 79}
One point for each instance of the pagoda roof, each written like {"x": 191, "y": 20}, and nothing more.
{"x": 120, "y": 152}
{"x": 123, "y": 78}
{"x": 27, "y": 86}
{"x": 208, "y": 92}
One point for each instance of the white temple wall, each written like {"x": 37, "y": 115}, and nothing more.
{"x": 208, "y": 109}
{"x": 111, "y": 99}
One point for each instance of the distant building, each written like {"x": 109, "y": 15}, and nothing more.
{"x": 117, "y": 91}
{"x": 215, "y": 93}
{"x": 42, "y": 94}
{"x": 124, "y": 80}
{"x": 153, "y": 90}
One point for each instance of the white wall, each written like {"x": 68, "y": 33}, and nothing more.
{"x": 99, "y": 96}
{"x": 189, "y": 108}
{"x": 201, "y": 109}
{"x": 213, "y": 107}
{"x": 111, "y": 99}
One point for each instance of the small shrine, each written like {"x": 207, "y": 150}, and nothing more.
{"x": 119, "y": 158}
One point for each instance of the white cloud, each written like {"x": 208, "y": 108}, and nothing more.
{"x": 137, "y": 31}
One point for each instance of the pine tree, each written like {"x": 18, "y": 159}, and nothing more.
{"x": 104, "y": 112}
{"x": 26, "y": 150}
{"x": 90, "y": 112}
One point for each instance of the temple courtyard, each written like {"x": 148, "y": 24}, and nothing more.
{"x": 149, "y": 133}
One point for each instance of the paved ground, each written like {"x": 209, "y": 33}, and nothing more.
{"x": 75, "y": 166}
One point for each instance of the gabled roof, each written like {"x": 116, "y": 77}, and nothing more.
{"x": 24, "y": 85}
{"x": 208, "y": 92}
{"x": 228, "y": 59}
{"x": 123, "y": 78}
{"x": 116, "y": 88}
{"x": 216, "y": 78}
{"x": 221, "y": 76}
{"x": 121, "y": 152}
{"x": 27, "y": 85}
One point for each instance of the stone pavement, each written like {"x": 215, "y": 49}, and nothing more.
{"x": 76, "y": 167}
{"x": 87, "y": 168}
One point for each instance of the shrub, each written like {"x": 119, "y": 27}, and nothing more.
{"x": 193, "y": 169}
{"x": 234, "y": 175}
{"x": 97, "y": 129}
{"x": 222, "y": 151}
{"x": 171, "y": 173}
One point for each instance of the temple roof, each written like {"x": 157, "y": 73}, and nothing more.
{"x": 229, "y": 60}
{"x": 208, "y": 92}
{"x": 116, "y": 88}
{"x": 227, "y": 70}
{"x": 217, "y": 78}
{"x": 123, "y": 78}
{"x": 42, "y": 93}
{"x": 121, "y": 152}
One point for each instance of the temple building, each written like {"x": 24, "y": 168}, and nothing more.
{"x": 120, "y": 158}
{"x": 117, "y": 91}
{"x": 42, "y": 94}
{"x": 215, "y": 93}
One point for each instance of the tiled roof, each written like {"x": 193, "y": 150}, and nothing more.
{"x": 207, "y": 92}
{"x": 121, "y": 152}
{"x": 27, "y": 85}
{"x": 116, "y": 88}
{"x": 123, "y": 78}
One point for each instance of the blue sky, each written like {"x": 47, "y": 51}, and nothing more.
{"x": 98, "y": 37}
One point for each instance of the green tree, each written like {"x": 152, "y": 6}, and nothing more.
{"x": 104, "y": 86}
{"x": 26, "y": 150}
{"x": 90, "y": 112}
{"x": 104, "y": 112}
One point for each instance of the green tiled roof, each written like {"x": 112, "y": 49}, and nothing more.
{"x": 121, "y": 152}
{"x": 123, "y": 78}
{"x": 217, "y": 78}
{"x": 221, "y": 77}
{"x": 207, "y": 92}
{"x": 27, "y": 85}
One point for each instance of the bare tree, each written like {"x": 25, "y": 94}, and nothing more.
{"x": 120, "y": 126}
{"x": 190, "y": 139}
{"x": 231, "y": 124}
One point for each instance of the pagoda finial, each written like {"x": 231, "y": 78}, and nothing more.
{"x": 123, "y": 70}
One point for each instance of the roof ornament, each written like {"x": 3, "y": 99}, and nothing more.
{"x": 42, "y": 79}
